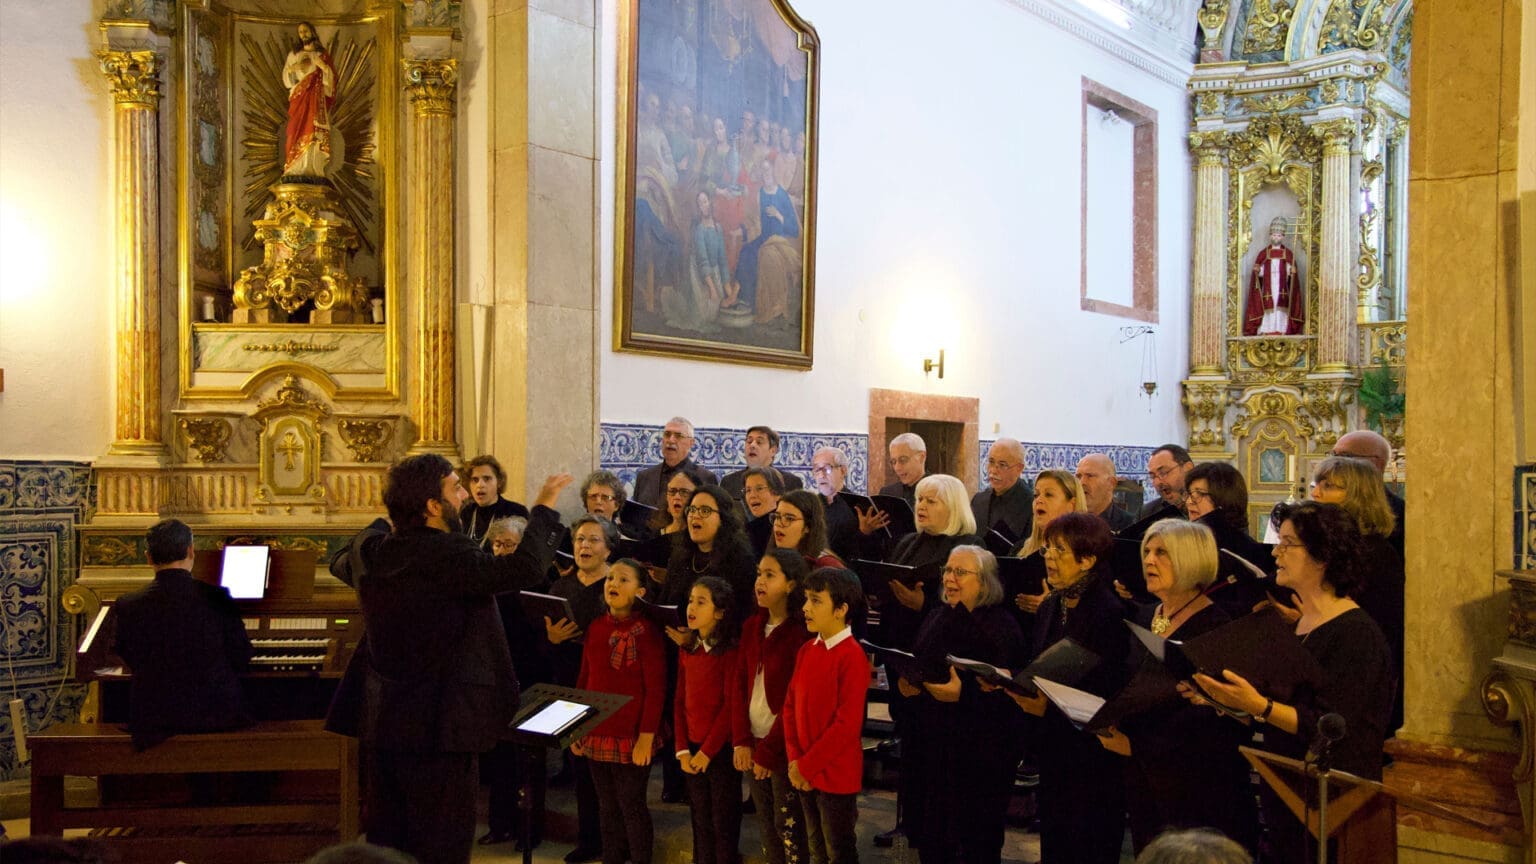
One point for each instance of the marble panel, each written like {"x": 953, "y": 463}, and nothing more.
{"x": 583, "y": 12}
{"x": 347, "y": 351}
{"x": 562, "y": 226}
{"x": 509, "y": 225}
{"x": 1451, "y": 83}
{"x": 561, "y": 85}
{"x": 40, "y": 504}
{"x": 509, "y": 77}
{"x": 562, "y": 383}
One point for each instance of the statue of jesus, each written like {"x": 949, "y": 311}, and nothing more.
{"x": 311, "y": 81}
{"x": 1274, "y": 292}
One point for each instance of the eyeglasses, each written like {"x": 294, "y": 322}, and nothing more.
{"x": 1285, "y": 545}
{"x": 1000, "y": 465}
{"x": 1327, "y": 486}
{"x": 1195, "y": 496}
{"x": 1345, "y": 454}
{"x": 599, "y": 498}
{"x": 783, "y": 518}
{"x": 1163, "y": 473}
{"x": 1053, "y": 549}
{"x": 675, "y": 436}
{"x": 957, "y": 572}
{"x": 679, "y": 493}
{"x": 588, "y": 541}
{"x": 824, "y": 469}
{"x": 700, "y": 511}
{"x": 504, "y": 545}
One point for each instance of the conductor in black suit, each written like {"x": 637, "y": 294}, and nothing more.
{"x": 185, "y": 643}
{"x": 433, "y": 684}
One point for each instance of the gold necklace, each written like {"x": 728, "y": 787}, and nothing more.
{"x": 1161, "y": 623}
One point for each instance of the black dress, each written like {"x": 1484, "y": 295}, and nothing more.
{"x": 1082, "y": 792}
{"x": 1184, "y": 770}
{"x": 963, "y": 754}
{"x": 1359, "y": 682}
{"x": 1382, "y": 599}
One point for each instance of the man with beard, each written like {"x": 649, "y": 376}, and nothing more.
{"x": 676, "y": 441}
{"x": 761, "y": 448}
{"x": 432, "y": 684}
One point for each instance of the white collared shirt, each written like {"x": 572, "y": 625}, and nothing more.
{"x": 829, "y": 644}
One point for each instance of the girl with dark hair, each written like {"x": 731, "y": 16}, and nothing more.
{"x": 800, "y": 523}
{"x": 770, "y": 641}
{"x": 1318, "y": 557}
{"x": 1217, "y": 497}
{"x": 714, "y": 543}
{"x": 1081, "y": 793}
{"x": 708, "y": 672}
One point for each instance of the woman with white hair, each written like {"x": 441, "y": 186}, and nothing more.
{"x": 968, "y": 740}
{"x": 1184, "y": 769}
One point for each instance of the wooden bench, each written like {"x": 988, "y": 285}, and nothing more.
{"x": 276, "y": 829}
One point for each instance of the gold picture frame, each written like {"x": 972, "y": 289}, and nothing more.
{"x": 716, "y": 67}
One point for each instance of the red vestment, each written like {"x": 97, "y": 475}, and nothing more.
{"x": 1273, "y": 285}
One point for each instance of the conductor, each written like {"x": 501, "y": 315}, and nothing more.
{"x": 432, "y": 685}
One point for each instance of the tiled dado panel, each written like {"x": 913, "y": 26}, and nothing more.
{"x": 40, "y": 504}
{"x": 1525, "y": 517}
{"x": 625, "y": 448}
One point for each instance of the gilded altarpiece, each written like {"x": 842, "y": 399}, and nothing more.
{"x": 299, "y": 139}
{"x": 1300, "y": 116}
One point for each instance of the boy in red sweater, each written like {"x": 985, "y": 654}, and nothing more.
{"x": 824, "y": 714}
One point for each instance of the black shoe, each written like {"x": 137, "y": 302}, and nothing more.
{"x": 491, "y": 838}
{"x": 582, "y": 854}
{"x": 888, "y": 839}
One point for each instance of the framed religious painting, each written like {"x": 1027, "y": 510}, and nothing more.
{"x": 715, "y": 239}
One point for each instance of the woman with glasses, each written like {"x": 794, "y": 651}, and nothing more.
{"x": 944, "y": 521}
{"x": 1216, "y": 496}
{"x": 761, "y": 489}
{"x": 1184, "y": 769}
{"x": 1318, "y": 557}
{"x": 966, "y": 742}
{"x": 799, "y": 523}
{"x": 669, "y": 518}
{"x": 1082, "y": 792}
{"x": 1356, "y": 485}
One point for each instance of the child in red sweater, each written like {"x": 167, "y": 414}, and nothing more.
{"x": 824, "y": 714}
{"x": 707, "y": 693}
{"x": 770, "y": 641}
{"x": 623, "y": 654}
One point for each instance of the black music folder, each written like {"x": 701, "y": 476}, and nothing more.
{"x": 877, "y": 576}
{"x": 664, "y": 615}
{"x": 1021, "y": 575}
{"x": 634, "y": 518}
{"x": 902, "y": 522}
{"x": 897, "y": 663}
{"x": 1066, "y": 661}
{"x": 1261, "y": 647}
{"x": 652, "y": 550}
{"x": 537, "y": 607}
{"x": 1125, "y": 567}
{"x": 1149, "y": 687}
{"x": 999, "y": 542}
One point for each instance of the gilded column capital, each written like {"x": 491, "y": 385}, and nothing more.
{"x": 1212, "y": 16}
{"x": 1209, "y": 147}
{"x": 1336, "y": 135}
{"x": 431, "y": 84}
{"x": 134, "y": 76}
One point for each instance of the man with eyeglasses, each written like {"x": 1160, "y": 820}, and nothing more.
{"x": 1096, "y": 474}
{"x": 1007, "y": 503}
{"x": 829, "y": 471}
{"x": 1168, "y": 466}
{"x": 676, "y": 441}
{"x": 1373, "y": 448}
{"x": 760, "y": 448}
{"x": 909, "y": 455}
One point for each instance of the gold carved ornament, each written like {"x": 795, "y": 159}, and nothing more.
{"x": 1269, "y": 22}
{"x": 1338, "y": 30}
{"x": 1206, "y": 404}
{"x": 1269, "y": 359}
{"x": 366, "y": 438}
{"x": 307, "y": 245}
{"x": 209, "y": 436}
{"x": 107, "y": 551}
{"x": 432, "y": 14}
{"x": 1212, "y": 16}
{"x": 1208, "y": 104}
{"x": 1260, "y": 406}
{"x": 1327, "y": 402}
{"x": 1384, "y": 341}
{"x": 134, "y": 76}
{"x": 1370, "y": 270}
{"x": 1508, "y": 700}
{"x": 1275, "y": 103}
{"x": 431, "y": 84}
{"x": 1209, "y": 147}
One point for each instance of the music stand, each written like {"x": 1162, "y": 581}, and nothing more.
{"x": 1363, "y": 817}
{"x": 534, "y": 745}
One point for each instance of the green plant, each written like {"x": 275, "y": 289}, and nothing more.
{"x": 1381, "y": 394}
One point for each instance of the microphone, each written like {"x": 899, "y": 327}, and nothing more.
{"x": 1331, "y": 729}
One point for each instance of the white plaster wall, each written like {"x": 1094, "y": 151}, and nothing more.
{"x": 55, "y": 234}
{"x": 1111, "y": 217}
{"x": 950, "y": 216}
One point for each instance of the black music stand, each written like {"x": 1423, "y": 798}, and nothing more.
{"x": 535, "y": 745}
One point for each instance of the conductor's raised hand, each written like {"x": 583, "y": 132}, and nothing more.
{"x": 554, "y": 484}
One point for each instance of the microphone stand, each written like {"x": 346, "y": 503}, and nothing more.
{"x": 1321, "y": 765}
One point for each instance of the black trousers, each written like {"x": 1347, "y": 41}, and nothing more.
{"x": 715, "y": 799}
{"x": 780, "y": 817}
{"x": 422, "y": 804}
{"x": 627, "y": 832}
{"x": 829, "y": 826}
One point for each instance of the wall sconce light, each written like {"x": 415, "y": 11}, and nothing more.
{"x": 929, "y": 365}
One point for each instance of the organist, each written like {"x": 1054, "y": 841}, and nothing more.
{"x": 185, "y": 643}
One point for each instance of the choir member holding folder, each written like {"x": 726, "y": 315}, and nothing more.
{"x": 1217, "y": 497}
{"x": 966, "y": 741}
{"x": 1057, "y": 493}
{"x": 1184, "y": 769}
{"x": 1319, "y": 558}
{"x": 1082, "y": 795}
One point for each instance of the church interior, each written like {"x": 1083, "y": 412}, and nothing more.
{"x": 541, "y": 228}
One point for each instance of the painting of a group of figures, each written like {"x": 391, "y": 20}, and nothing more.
{"x": 717, "y": 186}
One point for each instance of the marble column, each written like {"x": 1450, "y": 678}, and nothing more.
{"x": 134, "y": 79}
{"x": 1336, "y": 260}
{"x": 1209, "y": 305}
{"x": 429, "y": 263}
